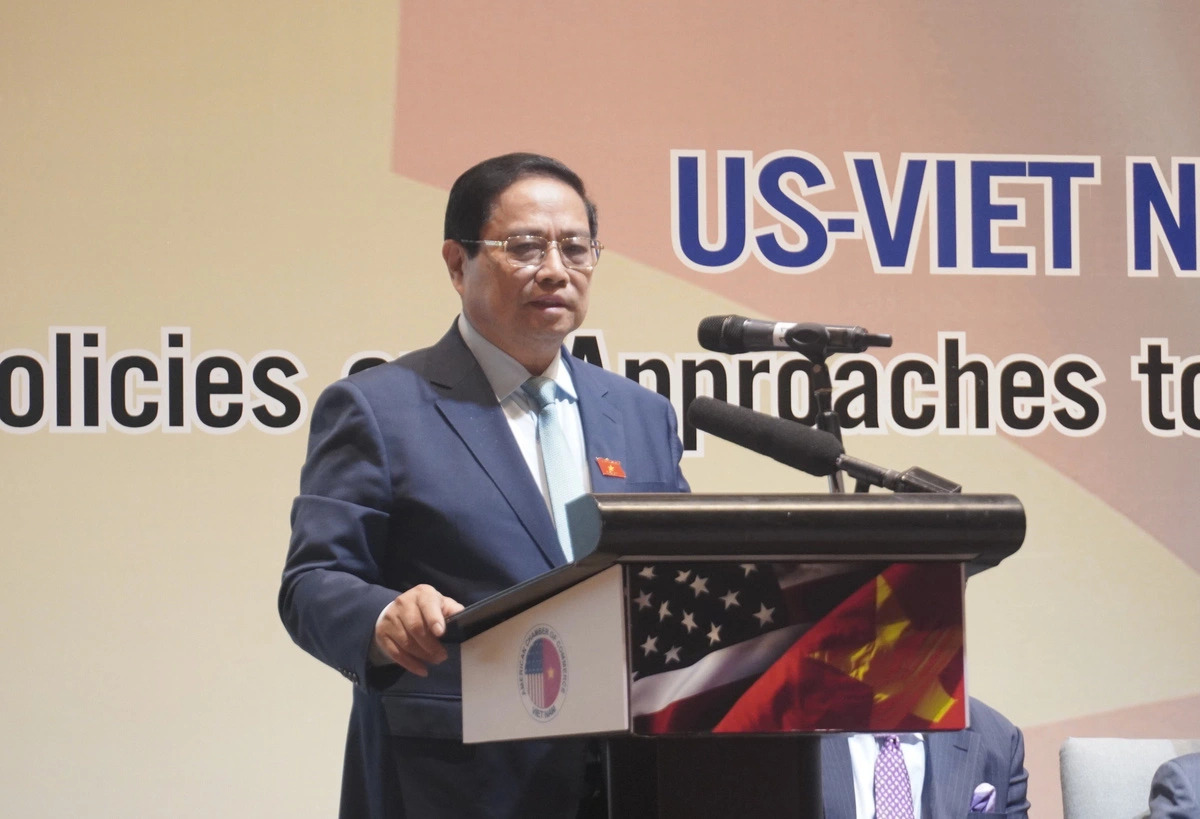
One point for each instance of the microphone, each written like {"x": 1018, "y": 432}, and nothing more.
{"x": 810, "y": 450}
{"x": 738, "y": 334}
{"x": 802, "y": 447}
{"x": 913, "y": 479}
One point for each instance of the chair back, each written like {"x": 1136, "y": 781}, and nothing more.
{"x": 1109, "y": 778}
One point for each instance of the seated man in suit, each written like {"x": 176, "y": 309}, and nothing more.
{"x": 1175, "y": 789}
{"x": 976, "y": 772}
{"x": 439, "y": 479}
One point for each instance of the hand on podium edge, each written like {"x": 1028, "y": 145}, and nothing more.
{"x": 409, "y": 630}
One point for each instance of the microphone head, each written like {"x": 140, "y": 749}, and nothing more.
{"x": 721, "y": 334}
{"x": 801, "y": 447}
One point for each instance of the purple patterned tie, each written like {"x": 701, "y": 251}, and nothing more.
{"x": 893, "y": 792}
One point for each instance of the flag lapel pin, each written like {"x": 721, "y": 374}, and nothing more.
{"x": 610, "y": 468}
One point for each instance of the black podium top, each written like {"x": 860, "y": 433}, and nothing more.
{"x": 665, "y": 527}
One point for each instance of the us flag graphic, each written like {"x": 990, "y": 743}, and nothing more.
{"x": 543, "y": 672}
{"x": 702, "y": 633}
{"x": 756, "y": 648}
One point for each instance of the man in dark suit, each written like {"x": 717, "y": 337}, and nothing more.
{"x": 976, "y": 772}
{"x": 1175, "y": 789}
{"x": 425, "y": 489}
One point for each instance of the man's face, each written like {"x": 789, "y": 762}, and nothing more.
{"x": 527, "y": 312}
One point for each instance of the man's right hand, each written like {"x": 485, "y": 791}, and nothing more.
{"x": 409, "y": 630}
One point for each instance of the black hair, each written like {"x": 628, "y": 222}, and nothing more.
{"x": 475, "y": 192}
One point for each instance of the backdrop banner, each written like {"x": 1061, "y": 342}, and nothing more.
{"x": 213, "y": 210}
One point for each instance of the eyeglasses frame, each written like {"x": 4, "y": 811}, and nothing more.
{"x": 503, "y": 244}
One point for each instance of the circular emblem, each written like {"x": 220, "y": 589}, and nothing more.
{"x": 543, "y": 673}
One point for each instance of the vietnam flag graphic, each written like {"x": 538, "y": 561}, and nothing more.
{"x": 889, "y": 658}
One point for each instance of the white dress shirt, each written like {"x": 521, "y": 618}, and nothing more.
{"x": 864, "y": 750}
{"x": 506, "y": 375}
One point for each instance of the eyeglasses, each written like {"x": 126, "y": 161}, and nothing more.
{"x": 577, "y": 252}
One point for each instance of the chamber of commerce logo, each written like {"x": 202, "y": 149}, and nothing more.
{"x": 543, "y": 673}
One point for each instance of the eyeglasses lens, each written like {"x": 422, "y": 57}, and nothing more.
{"x": 577, "y": 251}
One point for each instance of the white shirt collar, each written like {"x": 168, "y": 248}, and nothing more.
{"x": 504, "y": 373}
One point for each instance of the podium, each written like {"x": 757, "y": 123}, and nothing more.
{"x": 711, "y": 639}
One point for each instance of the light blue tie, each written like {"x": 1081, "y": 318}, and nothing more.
{"x": 562, "y": 469}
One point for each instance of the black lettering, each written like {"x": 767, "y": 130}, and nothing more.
{"x": 900, "y": 379}
{"x": 261, "y": 377}
{"x": 1187, "y": 396}
{"x": 787, "y": 383}
{"x": 586, "y": 347}
{"x": 660, "y": 369}
{"x": 746, "y": 372}
{"x": 1156, "y": 370}
{"x": 91, "y": 382}
{"x": 62, "y": 377}
{"x": 207, "y": 387}
{"x": 953, "y": 385}
{"x": 118, "y": 381}
{"x": 365, "y": 362}
{"x": 1089, "y": 407}
{"x": 175, "y": 416}
{"x": 1011, "y": 393}
{"x": 868, "y": 391}
{"x": 720, "y": 391}
{"x": 9, "y": 414}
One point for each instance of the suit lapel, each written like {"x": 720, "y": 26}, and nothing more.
{"x": 955, "y": 758}
{"x": 468, "y": 404}
{"x": 603, "y": 435}
{"x": 837, "y": 778}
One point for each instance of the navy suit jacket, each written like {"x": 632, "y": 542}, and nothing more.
{"x": 413, "y": 476}
{"x": 1175, "y": 789}
{"x": 992, "y": 750}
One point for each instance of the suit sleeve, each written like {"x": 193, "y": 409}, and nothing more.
{"x": 681, "y": 483}
{"x": 1018, "y": 780}
{"x": 1172, "y": 795}
{"x": 331, "y": 594}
